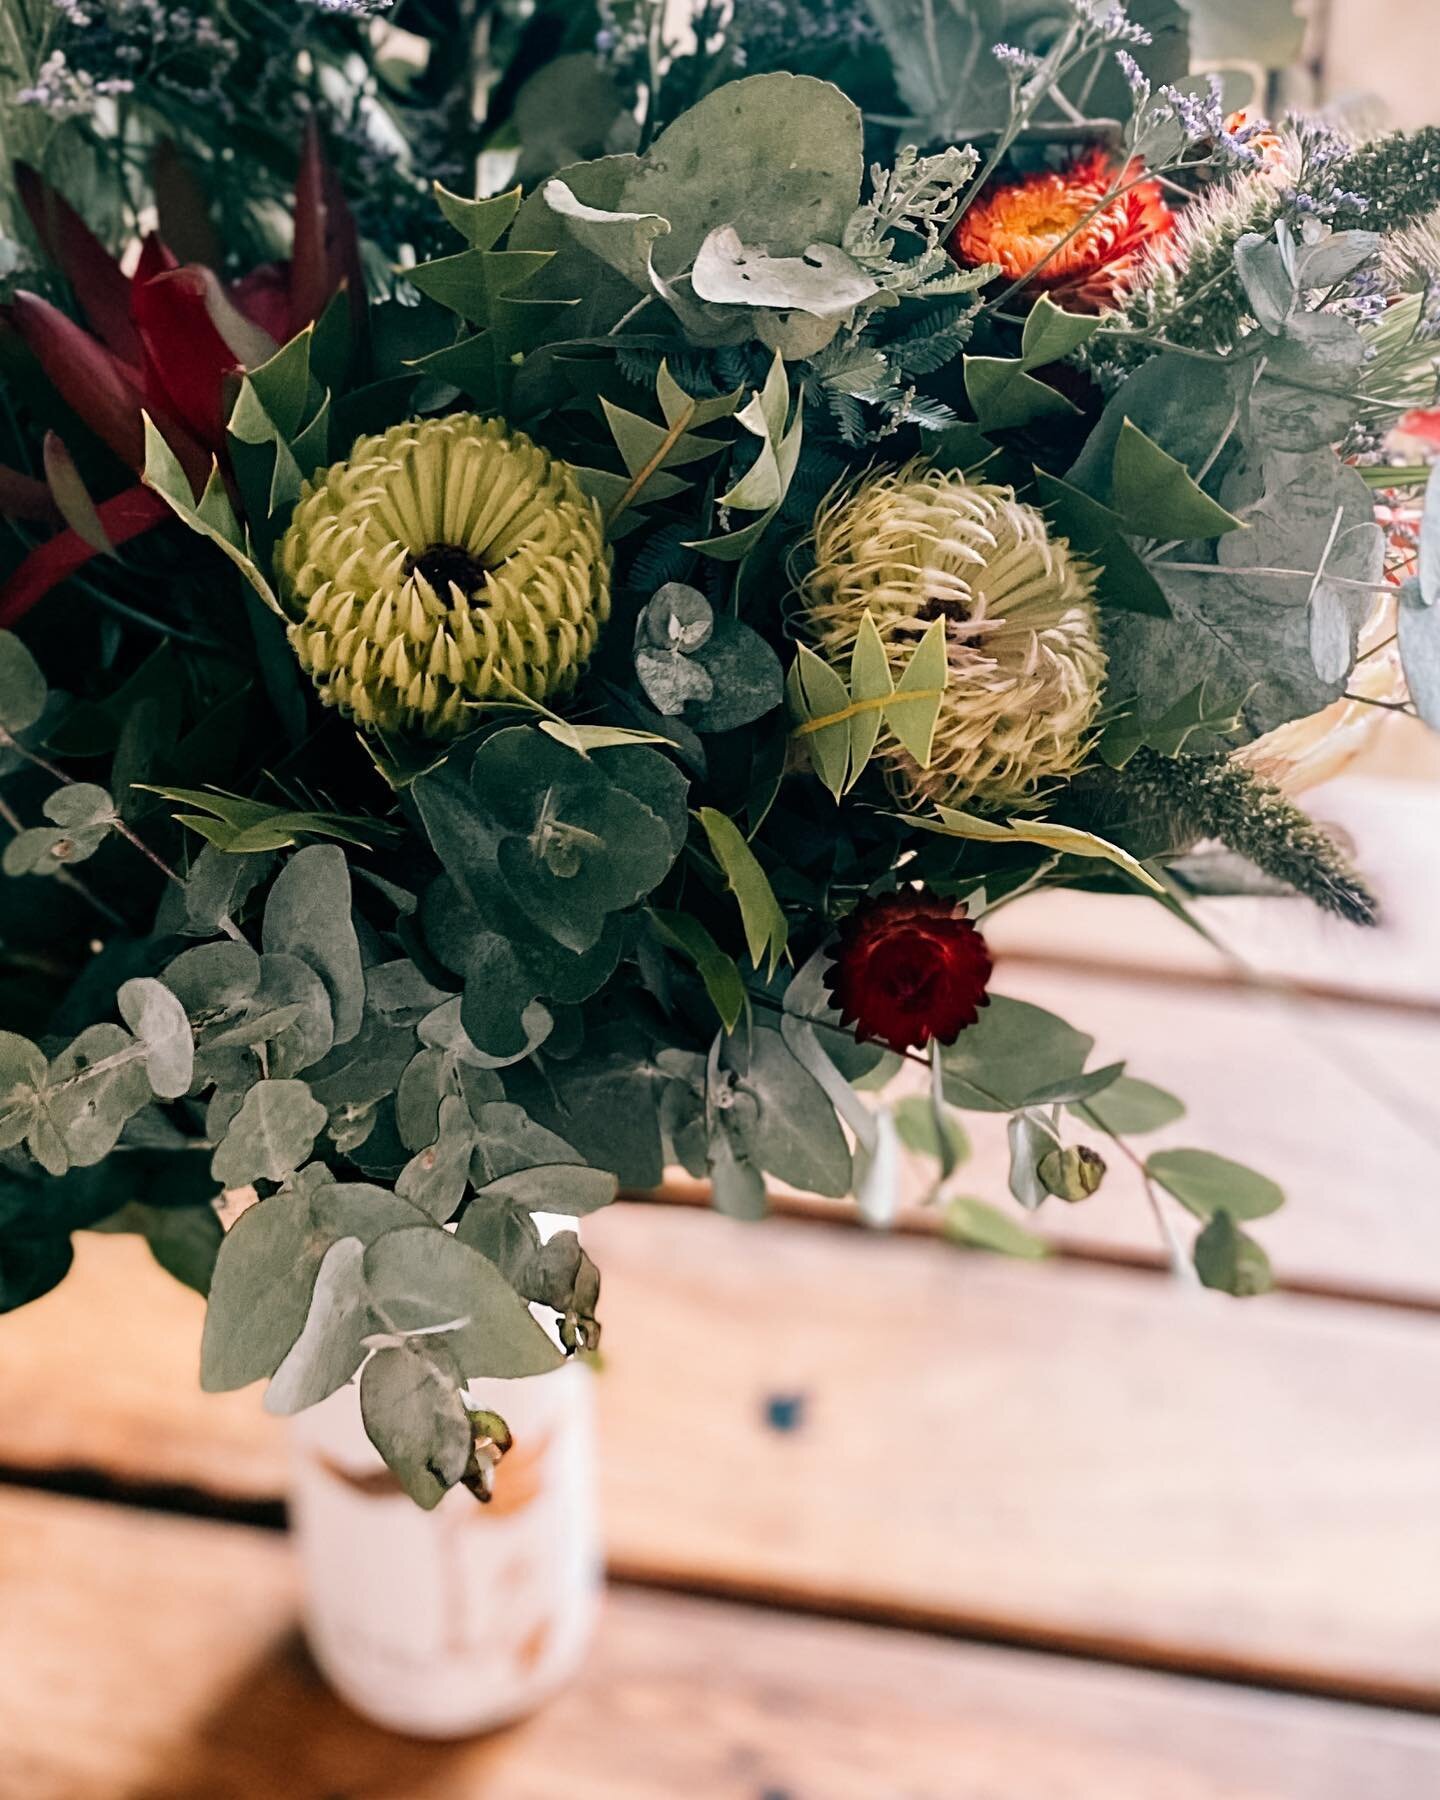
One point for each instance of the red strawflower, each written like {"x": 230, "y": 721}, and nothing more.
{"x": 168, "y": 340}
{"x": 909, "y": 967}
{"x": 1032, "y": 229}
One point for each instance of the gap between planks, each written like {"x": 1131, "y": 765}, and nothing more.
{"x": 159, "y": 1658}
{"x": 1059, "y": 1454}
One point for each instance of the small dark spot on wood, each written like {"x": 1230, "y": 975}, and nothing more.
{"x": 785, "y": 1412}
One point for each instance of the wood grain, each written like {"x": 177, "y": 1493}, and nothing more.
{"x": 1064, "y": 1455}
{"x": 157, "y": 1659}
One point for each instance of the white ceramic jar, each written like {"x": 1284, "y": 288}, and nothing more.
{"x": 462, "y": 1619}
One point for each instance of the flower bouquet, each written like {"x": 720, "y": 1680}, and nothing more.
{"x": 541, "y": 681}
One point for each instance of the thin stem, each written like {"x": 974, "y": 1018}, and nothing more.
{"x": 1399, "y": 706}
{"x": 1022, "y": 113}
{"x": 1102, "y": 205}
{"x": 1186, "y": 568}
{"x": 66, "y": 877}
{"x": 1179, "y": 1258}
{"x": 1375, "y": 649}
{"x": 626, "y": 317}
{"x": 147, "y": 622}
{"x": 117, "y": 824}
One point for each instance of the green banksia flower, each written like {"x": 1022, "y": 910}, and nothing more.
{"x": 444, "y": 563}
{"x": 917, "y": 544}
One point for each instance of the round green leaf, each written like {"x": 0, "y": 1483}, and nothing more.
{"x": 778, "y": 157}
{"x": 1129, "y": 1108}
{"x": 158, "y": 1019}
{"x": 1207, "y": 1184}
{"x": 22, "y": 686}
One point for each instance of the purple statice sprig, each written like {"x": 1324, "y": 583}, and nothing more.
{"x": 62, "y": 92}
{"x": 1111, "y": 24}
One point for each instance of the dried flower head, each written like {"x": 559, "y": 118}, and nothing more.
{"x": 907, "y": 968}
{"x": 916, "y": 544}
{"x": 1041, "y": 229}
{"x": 444, "y": 563}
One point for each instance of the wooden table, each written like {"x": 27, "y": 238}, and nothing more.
{"x": 1056, "y": 1531}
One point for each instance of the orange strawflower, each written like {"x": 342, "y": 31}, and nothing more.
{"x": 1020, "y": 224}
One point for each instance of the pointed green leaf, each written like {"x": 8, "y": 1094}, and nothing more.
{"x": 164, "y": 474}
{"x": 766, "y": 928}
{"x": 676, "y": 404}
{"x": 723, "y": 981}
{"x": 482, "y": 223}
{"x": 1097, "y": 533}
{"x": 815, "y": 691}
{"x": 1156, "y": 496}
{"x": 1064, "y": 840}
{"x": 913, "y": 712}
{"x": 1051, "y": 333}
{"x": 1005, "y": 397}
{"x": 870, "y": 679}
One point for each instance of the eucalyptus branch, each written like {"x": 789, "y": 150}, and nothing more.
{"x": 66, "y": 877}
{"x": 117, "y": 824}
{"x": 1346, "y": 581}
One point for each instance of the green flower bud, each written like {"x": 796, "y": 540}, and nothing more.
{"x": 916, "y": 544}
{"x": 445, "y": 563}
{"x": 1072, "y": 1174}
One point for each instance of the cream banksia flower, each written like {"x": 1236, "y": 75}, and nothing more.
{"x": 443, "y": 563}
{"x": 916, "y": 544}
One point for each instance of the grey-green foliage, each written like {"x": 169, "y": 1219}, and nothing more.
{"x": 954, "y": 88}
{"x": 748, "y": 1109}
{"x": 80, "y": 814}
{"x": 716, "y": 672}
{"x": 1268, "y": 616}
{"x": 22, "y": 686}
{"x": 243, "y": 1045}
{"x": 724, "y": 215}
{"x": 544, "y": 850}
{"x": 69, "y": 1110}
{"x": 1203, "y": 301}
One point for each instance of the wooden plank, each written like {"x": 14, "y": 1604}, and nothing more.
{"x": 157, "y": 1656}
{"x": 1064, "y": 1455}
{"x": 1340, "y": 1104}
{"x": 1394, "y": 826}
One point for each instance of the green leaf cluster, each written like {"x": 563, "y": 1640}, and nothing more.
{"x": 839, "y": 724}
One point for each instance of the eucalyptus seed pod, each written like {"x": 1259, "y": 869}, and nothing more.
{"x": 1072, "y": 1174}
{"x": 491, "y": 1443}
{"x": 445, "y": 563}
{"x": 1022, "y": 636}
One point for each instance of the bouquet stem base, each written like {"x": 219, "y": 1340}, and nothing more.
{"x": 455, "y": 1621}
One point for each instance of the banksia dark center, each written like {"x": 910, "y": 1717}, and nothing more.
{"x": 445, "y": 563}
